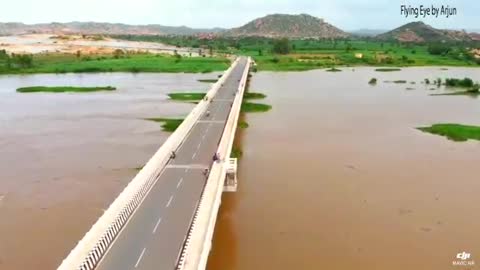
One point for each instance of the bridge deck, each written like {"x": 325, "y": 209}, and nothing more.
{"x": 154, "y": 236}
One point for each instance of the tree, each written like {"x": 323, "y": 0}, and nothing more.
{"x": 24, "y": 60}
{"x": 3, "y": 54}
{"x": 438, "y": 49}
{"x": 118, "y": 53}
{"x": 281, "y": 46}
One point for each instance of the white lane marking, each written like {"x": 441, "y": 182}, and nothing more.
{"x": 180, "y": 182}
{"x": 156, "y": 225}
{"x": 194, "y": 155}
{"x": 186, "y": 170}
{"x": 140, "y": 258}
{"x": 203, "y": 137}
{"x": 169, "y": 201}
{"x": 198, "y": 146}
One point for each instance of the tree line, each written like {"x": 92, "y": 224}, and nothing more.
{"x": 15, "y": 61}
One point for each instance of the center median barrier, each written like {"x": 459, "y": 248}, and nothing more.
{"x": 198, "y": 242}
{"x": 90, "y": 249}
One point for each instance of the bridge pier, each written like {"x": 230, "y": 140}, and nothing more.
{"x": 230, "y": 184}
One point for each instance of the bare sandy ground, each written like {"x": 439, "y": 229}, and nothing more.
{"x": 47, "y": 43}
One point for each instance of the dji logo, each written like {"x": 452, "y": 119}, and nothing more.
{"x": 462, "y": 260}
{"x": 463, "y": 256}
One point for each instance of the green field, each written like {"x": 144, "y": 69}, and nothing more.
{"x": 307, "y": 54}
{"x": 301, "y": 55}
{"x": 63, "y": 89}
{"x": 63, "y": 63}
{"x": 454, "y": 132}
{"x": 312, "y": 54}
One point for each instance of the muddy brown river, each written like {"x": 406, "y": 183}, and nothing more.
{"x": 335, "y": 176}
{"x": 65, "y": 157}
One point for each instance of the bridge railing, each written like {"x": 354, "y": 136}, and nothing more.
{"x": 90, "y": 249}
{"x": 198, "y": 243}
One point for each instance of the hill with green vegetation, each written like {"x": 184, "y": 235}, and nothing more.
{"x": 421, "y": 32}
{"x": 291, "y": 26}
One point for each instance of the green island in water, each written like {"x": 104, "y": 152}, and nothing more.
{"x": 454, "y": 132}
{"x": 171, "y": 124}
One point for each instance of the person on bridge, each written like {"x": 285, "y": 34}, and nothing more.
{"x": 216, "y": 157}
{"x": 173, "y": 155}
{"x": 205, "y": 172}
{"x": 208, "y": 113}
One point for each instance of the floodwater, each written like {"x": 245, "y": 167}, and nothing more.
{"x": 65, "y": 157}
{"x": 336, "y": 176}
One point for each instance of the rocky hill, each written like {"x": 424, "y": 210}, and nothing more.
{"x": 291, "y": 26}
{"x": 421, "y": 32}
{"x": 92, "y": 28}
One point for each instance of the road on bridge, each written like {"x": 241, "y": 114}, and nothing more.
{"x": 154, "y": 236}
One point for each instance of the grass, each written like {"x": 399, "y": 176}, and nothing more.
{"x": 63, "y": 63}
{"x": 208, "y": 80}
{"x": 168, "y": 124}
{"x": 252, "y": 95}
{"x": 236, "y": 152}
{"x": 63, "y": 89}
{"x": 187, "y": 96}
{"x": 387, "y": 69}
{"x": 242, "y": 124}
{"x": 471, "y": 92}
{"x": 332, "y": 69}
{"x": 454, "y": 132}
{"x": 255, "y": 107}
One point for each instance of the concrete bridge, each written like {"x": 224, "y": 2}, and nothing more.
{"x": 165, "y": 217}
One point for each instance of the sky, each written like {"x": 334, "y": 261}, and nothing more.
{"x": 345, "y": 14}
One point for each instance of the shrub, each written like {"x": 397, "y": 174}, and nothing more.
{"x": 466, "y": 82}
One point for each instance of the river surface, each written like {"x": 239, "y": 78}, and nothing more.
{"x": 65, "y": 157}
{"x": 336, "y": 176}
